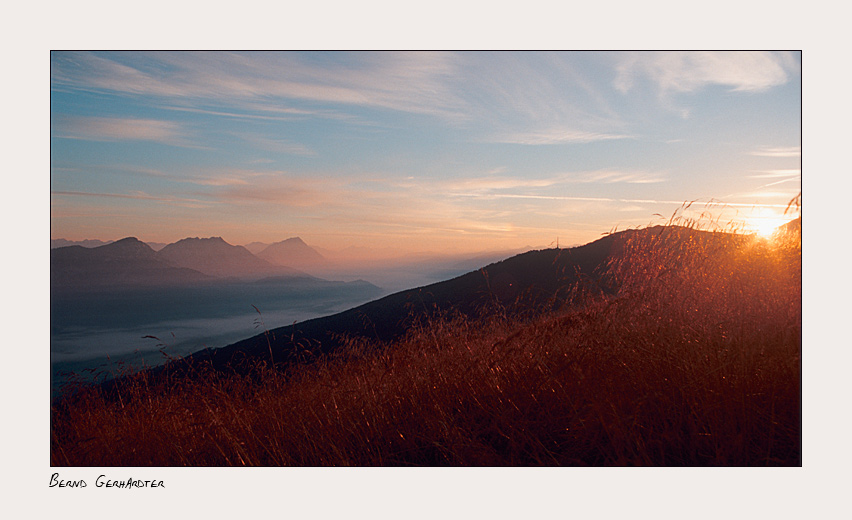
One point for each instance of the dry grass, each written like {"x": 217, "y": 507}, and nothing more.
{"x": 696, "y": 361}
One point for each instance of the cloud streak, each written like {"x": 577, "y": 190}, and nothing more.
{"x": 548, "y": 98}
{"x": 109, "y": 129}
{"x": 131, "y": 196}
{"x": 493, "y": 183}
{"x": 778, "y": 151}
{"x": 276, "y": 145}
{"x": 564, "y": 136}
{"x": 691, "y": 71}
{"x": 410, "y": 82}
{"x": 772, "y": 174}
{"x": 610, "y": 199}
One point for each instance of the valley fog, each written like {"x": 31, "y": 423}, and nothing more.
{"x": 96, "y": 334}
{"x": 124, "y": 306}
{"x": 403, "y": 273}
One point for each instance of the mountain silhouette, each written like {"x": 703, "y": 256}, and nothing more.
{"x": 127, "y": 262}
{"x": 292, "y": 252}
{"x": 130, "y": 263}
{"x": 61, "y": 242}
{"x": 215, "y": 257}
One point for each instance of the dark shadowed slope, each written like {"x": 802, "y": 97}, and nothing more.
{"x": 127, "y": 262}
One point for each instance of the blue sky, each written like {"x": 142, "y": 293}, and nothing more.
{"x": 418, "y": 151}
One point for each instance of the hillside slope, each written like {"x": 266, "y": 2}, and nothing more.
{"x": 524, "y": 285}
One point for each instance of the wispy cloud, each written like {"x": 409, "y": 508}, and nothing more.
{"x": 784, "y": 176}
{"x": 273, "y": 187}
{"x": 778, "y": 151}
{"x": 611, "y": 199}
{"x": 536, "y": 99}
{"x": 541, "y": 93}
{"x": 618, "y": 176}
{"x": 410, "y": 82}
{"x": 494, "y": 183}
{"x": 485, "y": 184}
{"x": 118, "y": 129}
{"x": 771, "y": 174}
{"x": 224, "y": 177}
{"x": 374, "y": 201}
{"x": 562, "y": 136}
{"x": 782, "y": 181}
{"x": 276, "y": 145}
{"x": 691, "y": 71}
{"x": 285, "y": 193}
{"x": 282, "y": 114}
{"x": 138, "y": 195}
{"x": 772, "y": 194}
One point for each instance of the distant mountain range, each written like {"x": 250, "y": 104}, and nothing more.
{"x": 130, "y": 262}
{"x": 127, "y": 262}
{"x": 61, "y": 242}
{"x": 388, "y": 267}
{"x": 216, "y": 257}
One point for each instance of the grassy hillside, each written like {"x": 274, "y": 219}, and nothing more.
{"x": 694, "y": 361}
{"x": 525, "y": 284}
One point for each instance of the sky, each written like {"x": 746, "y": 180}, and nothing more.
{"x": 424, "y": 151}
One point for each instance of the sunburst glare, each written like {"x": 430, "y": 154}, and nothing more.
{"x": 766, "y": 222}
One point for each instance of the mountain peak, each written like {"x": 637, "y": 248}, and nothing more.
{"x": 88, "y": 243}
{"x": 214, "y": 256}
{"x": 202, "y": 240}
{"x": 292, "y": 241}
{"x": 126, "y": 262}
{"x": 127, "y": 245}
{"x": 293, "y": 252}
{"x": 128, "y": 240}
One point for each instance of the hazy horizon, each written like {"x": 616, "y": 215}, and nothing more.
{"x": 349, "y": 254}
{"x": 417, "y": 152}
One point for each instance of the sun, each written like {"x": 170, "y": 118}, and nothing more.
{"x": 766, "y": 222}
{"x": 767, "y": 228}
